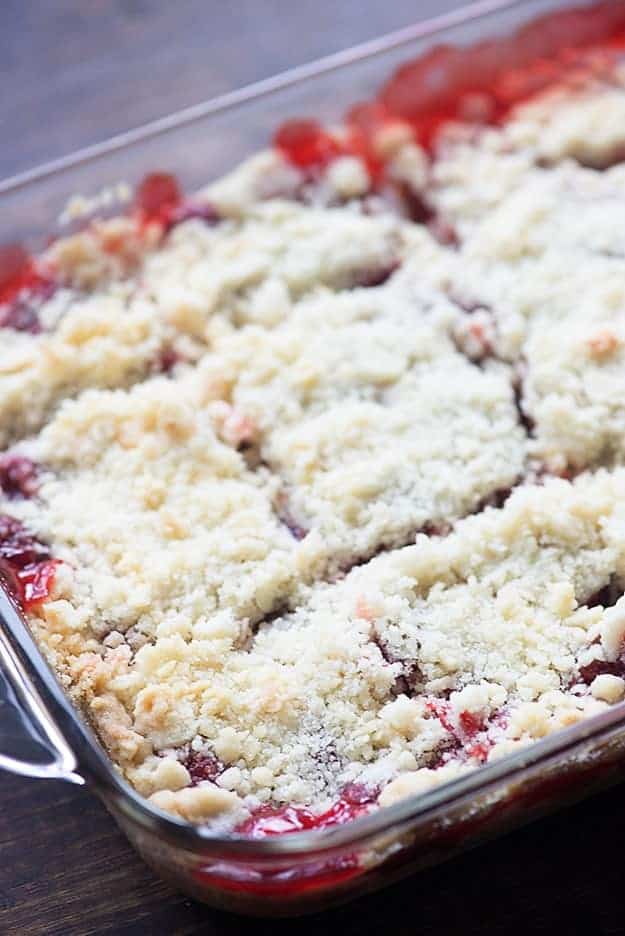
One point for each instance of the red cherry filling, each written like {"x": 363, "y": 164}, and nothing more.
{"x": 22, "y": 288}
{"x": 159, "y": 200}
{"x": 479, "y": 84}
{"x": 276, "y": 820}
{"x": 18, "y": 546}
{"x": 606, "y": 596}
{"x": 166, "y": 360}
{"x": 411, "y": 675}
{"x": 18, "y": 476}
{"x": 156, "y": 196}
{"x": 306, "y": 144}
{"x": 16, "y": 271}
{"x": 25, "y": 563}
{"x": 483, "y": 82}
{"x": 478, "y": 750}
{"x": 202, "y": 766}
{"x": 36, "y": 582}
{"x": 590, "y": 672}
{"x": 468, "y": 731}
{"x": 364, "y": 122}
{"x": 281, "y": 881}
{"x": 21, "y": 317}
{"x": 470, "y": 723}
{"x": 496, "y": 499}
{"x": 356, "y": 800}
{"x": 441, "y": 710}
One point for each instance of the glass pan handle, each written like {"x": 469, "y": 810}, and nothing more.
{"x": 28, "y": 702}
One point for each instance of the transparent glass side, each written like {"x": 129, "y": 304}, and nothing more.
{"x": 19, "y": 736}
{"x": 209, "y": 140}
{"x": 287, "y": 884}
{"x": 290, "y": 877}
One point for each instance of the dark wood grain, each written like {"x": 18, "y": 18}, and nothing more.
{"x": 73, "y": 72}
{"x": 67, "y": 871}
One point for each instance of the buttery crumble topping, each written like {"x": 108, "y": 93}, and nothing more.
{"x": 281, "y": 465}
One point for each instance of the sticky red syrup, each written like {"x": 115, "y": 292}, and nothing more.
{"x": 281, "y": 879}
{"x": 24, "y": 285}
{"x": 482, "y": 83}
{"x": 468, "y": 731}
{"x": 26, "y": 565}
{"x": 479, "y": 84}
{"x": 355, "y": 801}
{"x": 305, "y": 143}
{"x": 293, "y": 877}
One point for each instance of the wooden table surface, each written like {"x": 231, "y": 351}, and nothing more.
{"x": 74, "y": 72}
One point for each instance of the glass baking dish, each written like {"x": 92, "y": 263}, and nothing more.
{"x": 310, "y": 870}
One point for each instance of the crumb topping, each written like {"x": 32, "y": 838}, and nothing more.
{"x": 313, "y": 486}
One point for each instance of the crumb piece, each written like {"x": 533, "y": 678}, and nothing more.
{"x": 348, "y": 177}
{"x": 612, "y": 630}
{"x": 608, "y": 688}
{"x": 196, "y": 804}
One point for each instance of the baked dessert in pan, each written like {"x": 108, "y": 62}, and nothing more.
{"x": 313, "y": 482}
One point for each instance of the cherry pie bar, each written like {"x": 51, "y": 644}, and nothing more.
{"x": 313, "y": 483}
